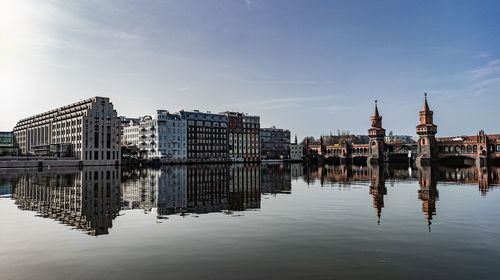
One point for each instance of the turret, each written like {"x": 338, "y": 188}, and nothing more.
{"x": 426, "y": 130}
{"x": 376, "y": 134}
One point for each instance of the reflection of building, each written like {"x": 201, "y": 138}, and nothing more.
{"x": 192, "y": 189}
{"x": 276, "y": 178}
{"x": 88, "y": 200}
{"x": 342, "y": 174}
{"x": 296, "y": 170}
{"x": 377, "y": 188}
{"x": 428, "y": 192}
{"x": 244, "y": 187}
{"x": 275, "y": 143}
{"x": 207, "y": 187}
{"x": 140, "y": 189}
{"x": 172, "y": 190}
{"x": 486, "y": 177}
{"x": 90, "y": 128}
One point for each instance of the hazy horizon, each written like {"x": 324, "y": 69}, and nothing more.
{"x": 310, "y": 67}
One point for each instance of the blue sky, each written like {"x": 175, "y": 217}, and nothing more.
{"x": 310, "y": 66}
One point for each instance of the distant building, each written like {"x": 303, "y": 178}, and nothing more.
{"x": 406, "y": 139}
{"x": 275, "y": 143}
{"x": 88, "y": 130}
{"x": 206, "y": 136}
{"x": 243, "y": 137}
{"x": 296, "y": 150}
{"x": 8, "y": 145}
{"x": 162, "y": 137}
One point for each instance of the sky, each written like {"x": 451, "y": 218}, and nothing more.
{"x": 314, "y": 67}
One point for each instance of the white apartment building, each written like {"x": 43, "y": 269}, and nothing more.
{"x": 88, "y": 130}
{"x": 162, "y": 137}
{"x": 296, "y": 151}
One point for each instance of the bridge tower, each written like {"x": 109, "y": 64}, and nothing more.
{"x": 376, "y": 134}
{"x": 426, "y": 130}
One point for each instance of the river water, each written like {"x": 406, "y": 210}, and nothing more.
{"x": 269, "y": 221}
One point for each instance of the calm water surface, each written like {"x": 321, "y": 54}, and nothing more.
{"x": 250, "y": 222}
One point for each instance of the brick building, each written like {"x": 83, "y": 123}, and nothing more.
{"x": 207, "y": 136}
{"x": 243, "y": 136}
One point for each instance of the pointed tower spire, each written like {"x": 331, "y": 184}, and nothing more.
{"x": 426, "y": 106}
{"x": 376, "y": 114}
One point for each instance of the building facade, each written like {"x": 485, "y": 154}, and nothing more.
{"x": 275, "y": 143}
{"x": 207, "y": 136}
{"x": 243, "y": 137}
{"x": 296, "y": 150}
{"x": 89, "y": 130}
{"x": 8, "y": 145}
{"x": 162, "y": 137}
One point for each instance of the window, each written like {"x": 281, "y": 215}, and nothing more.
{"x": 96, "y": 155}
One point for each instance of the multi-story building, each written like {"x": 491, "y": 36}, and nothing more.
{"x": 162, "y": 137}
{"x": 296, "y": 150}
{"x": 275, "y": 143}
{"x": 88, "y": 131}
{"x": 206, "y": 136}
{"x": 243, "y": 136}
{"x": 8, "y": 144}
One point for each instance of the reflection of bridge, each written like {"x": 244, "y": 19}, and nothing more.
{"x": 478, "y": 149}
{"x": 427, "y": 176}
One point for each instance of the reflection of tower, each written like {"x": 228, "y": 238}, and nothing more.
{"x": 428, "y": 192}
{"x": 376, "y": 134}
{"x": 377, "y": 188}
{"x": 426, "y": 130}
{"x": 483, "y": 180}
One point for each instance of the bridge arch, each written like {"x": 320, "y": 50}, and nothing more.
{"x": 457, "y": 160}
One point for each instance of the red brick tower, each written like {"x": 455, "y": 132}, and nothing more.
{"x": 426, "y": 130}
{"x": 376, "y": 134}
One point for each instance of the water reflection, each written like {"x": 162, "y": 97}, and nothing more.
{"x": 87, "y": 200}
{"x": 91, "y": 198}
{"x": 195, "y": 189}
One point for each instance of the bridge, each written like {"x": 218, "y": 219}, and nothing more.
{"x": 478, "y": 149}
